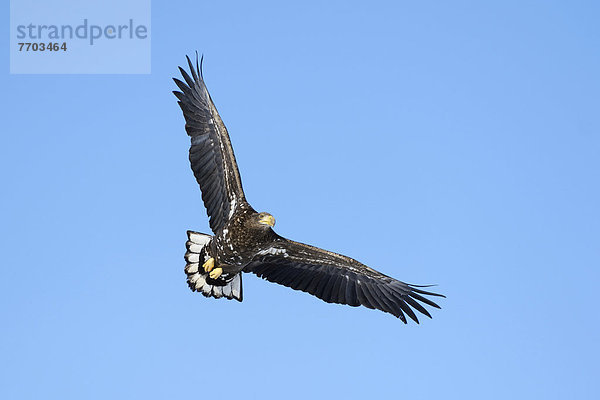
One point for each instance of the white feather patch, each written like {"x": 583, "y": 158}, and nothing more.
{"x": 206, "y": 289}
{"x": 194, "y": 278}
{"x": 218, "y": 291}
{"x": 227, "y": 290}
{"x": 191, "y": 268}
{"x": 200, "y": 282}
{"x": 199, "y": 238}
{"x": 193, "y": 257}
{"x": 232, "y": 206}
{"x": 273, "y": 251}
{"x": 236, "y": 286}
{"x": 195, "y": 248}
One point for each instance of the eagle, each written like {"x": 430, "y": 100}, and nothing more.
{"x": 244, "y": 241}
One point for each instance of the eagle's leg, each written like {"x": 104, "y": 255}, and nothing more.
{"x": 224, "y": 268}
{"x": 216, "y": 273}
{"x": 209, "y": 265}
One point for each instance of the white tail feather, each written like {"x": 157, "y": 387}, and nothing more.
{"x": 197, "y": 253}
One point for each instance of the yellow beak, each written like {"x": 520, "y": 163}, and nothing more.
{"x": 267, "y": 220}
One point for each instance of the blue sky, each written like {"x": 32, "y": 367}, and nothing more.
{"x": 456, "y": 144}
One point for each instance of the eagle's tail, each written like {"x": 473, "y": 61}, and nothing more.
{"x": 198, "y": 280}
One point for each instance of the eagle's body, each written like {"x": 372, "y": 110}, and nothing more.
{"x": 244, "y": 240}
{"x": 236, "y": 245}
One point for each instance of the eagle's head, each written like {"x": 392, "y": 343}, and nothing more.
{"x": 266, "y": 219}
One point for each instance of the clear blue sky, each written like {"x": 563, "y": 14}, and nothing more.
{"x": 456, "y": 144}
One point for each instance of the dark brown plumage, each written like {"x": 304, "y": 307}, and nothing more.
{"x": 244, "y": 240}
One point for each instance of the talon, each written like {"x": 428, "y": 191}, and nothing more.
{"x": 216, "y": 273}
{"x": 209, "y": 265}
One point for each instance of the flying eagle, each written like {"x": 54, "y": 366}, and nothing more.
{"x": 244, "y": 240}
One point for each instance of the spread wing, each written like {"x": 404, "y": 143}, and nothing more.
{"x": 335, "y": 278}
{"x": 211, "y": 154}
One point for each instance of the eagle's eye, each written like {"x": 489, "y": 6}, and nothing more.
{"x": 266, "y": 219}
